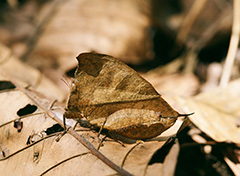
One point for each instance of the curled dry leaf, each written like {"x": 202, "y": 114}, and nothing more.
{"x": 108, "y": 93}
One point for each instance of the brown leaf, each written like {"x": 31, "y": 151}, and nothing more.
{"x": 108, "y": 91}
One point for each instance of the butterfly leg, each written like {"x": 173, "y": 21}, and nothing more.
{"x": 101, "y": 128}
{"x": 67, "y": 114}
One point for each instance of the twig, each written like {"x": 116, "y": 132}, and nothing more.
{"x": 125, "y": 157}
{"x": 80, "y": 138}
{"x": 227, "y": 69}
{"x": 54, "y": 166}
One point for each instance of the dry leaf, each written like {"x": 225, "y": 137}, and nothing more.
{"x": 33, "y": 150}
{"x": 216, "y": 112}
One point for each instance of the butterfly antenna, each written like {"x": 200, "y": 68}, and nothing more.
{"x": 185, "y": 115}
{"x": 64, "y": 79}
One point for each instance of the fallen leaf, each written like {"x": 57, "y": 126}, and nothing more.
{"x": 216, "y": 112}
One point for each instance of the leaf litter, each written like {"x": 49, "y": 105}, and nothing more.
{"x": 177, "y": 102}
{"x": 38, "y": 156}
{"x": 133, "y": 160}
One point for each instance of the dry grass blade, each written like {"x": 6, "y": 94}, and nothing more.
{"x": 233, "y": 45}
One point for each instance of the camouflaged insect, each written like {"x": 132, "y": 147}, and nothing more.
{"x": 111, "y": 95}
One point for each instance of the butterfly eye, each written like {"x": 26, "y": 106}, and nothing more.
{"x": 158, "y": 114}
{"x": 73, "y": 86}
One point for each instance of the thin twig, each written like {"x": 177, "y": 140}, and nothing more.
{"x": 125, "y": 157}
{"x": 232, "y": 50}
{"x": 54, "y": 166}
